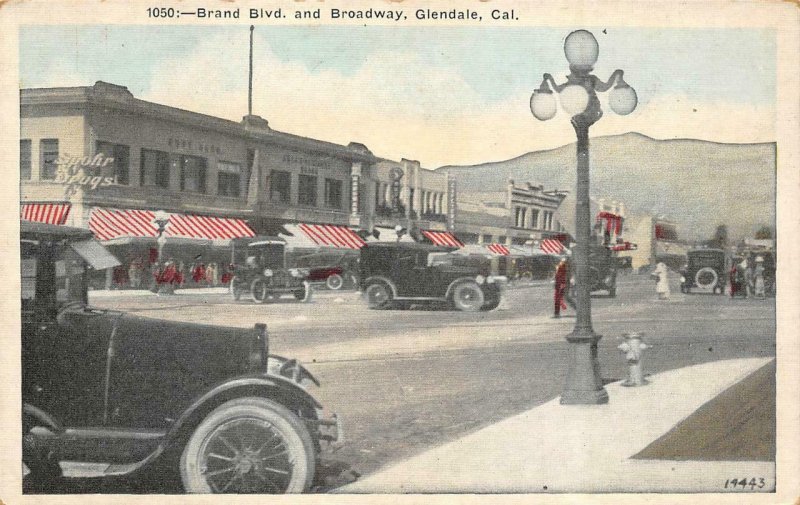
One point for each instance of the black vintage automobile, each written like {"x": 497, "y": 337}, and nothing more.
{"x": 114, "y": 394}
{"x": 603, "y": 265}
{"x": 335, "y": 269}
{"x": 414, "y": 273}
{"x": 705, "y": 269}
{"x": 264, "y": 275}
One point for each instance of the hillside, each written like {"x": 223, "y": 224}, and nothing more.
{"x": 697, "y": 184}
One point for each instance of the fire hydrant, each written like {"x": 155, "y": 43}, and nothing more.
{"x": 633, "y": 347}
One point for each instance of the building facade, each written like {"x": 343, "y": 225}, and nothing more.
{"x": 518, "y": 215}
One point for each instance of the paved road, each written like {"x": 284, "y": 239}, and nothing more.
{"x": 406, "y": 380}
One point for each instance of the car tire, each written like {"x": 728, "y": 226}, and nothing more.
{"x": 214, "y": 463}
{"x": 491, "y": 304}
{"x": 304, "y": 295}
{"x": 702, "y": 274}
{"x": 378, "y": 295}
{"x": 259, "y": 291}
{"x": 236, "y": 288}
{"x": 468, "y": 297}
{"x": 334, "y": 282}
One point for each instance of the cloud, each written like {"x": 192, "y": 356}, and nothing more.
{"x": 400, "y": 106}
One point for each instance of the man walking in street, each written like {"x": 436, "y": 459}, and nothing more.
{"x": 561, "y": 292}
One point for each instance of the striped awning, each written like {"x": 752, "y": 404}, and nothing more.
{"x": 50, "y": 213}
{"x": 551, "y": 246}
{"x": 109, "y": 224}
{"x": 330, "y": 235}
{"x": 499, "y": 249}
{"x": 442, "y": 238}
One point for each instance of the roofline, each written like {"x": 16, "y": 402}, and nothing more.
{"x": 119, "y": 97}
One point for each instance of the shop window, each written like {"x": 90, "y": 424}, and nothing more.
{"x": 25, "y": 159}
{"x": 333, "y": 193}
{"x": 193, "y": 174}
{"x": 280, "y": 186}
{"x": 154, "y": 168}
{"x": 307, "y": 190}
{"x": 121, "y": 164}
{"x": 229, "y": 179}
{"x": 48, "y": 154}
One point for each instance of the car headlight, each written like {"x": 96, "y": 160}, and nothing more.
{"x": 267, "y": 272}
{"x": 683, "y": 279}
{"x": 480, "y": 279}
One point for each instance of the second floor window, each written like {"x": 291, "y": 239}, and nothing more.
{"x": 25, "y": 159}
{"x": 193, "y": 174}
{"x": 48, "y": 154}
{"x": 229, "y": 176}
{"x": 121, "y": 155}
{"x": 154, "y": 168}
{"x": 307, "y": 190}
{"x": 280, "y": 186}
{"x": 534, "y": 218}
{"x": 333, "y": 193}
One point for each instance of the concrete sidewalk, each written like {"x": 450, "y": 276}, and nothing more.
{"x": 566, "y": 449}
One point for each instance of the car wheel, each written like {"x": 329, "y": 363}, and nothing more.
{"x": 304, "y": 295}
{"x": 248, "y": 445}
{"x": 236, "y": 288}
{"x": 468, "y": 297}
{"x": 334, "y": 282}
{"x": 706, "y": 278}
{"x": 377, "y": 295}
{"x": 259, "y": 291}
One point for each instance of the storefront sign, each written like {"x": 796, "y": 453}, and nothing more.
{"x": 81, "y": 172}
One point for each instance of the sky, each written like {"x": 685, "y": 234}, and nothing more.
{"x": 440, "y": 95}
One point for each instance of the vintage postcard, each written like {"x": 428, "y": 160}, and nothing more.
{"x": 400, "y": 251}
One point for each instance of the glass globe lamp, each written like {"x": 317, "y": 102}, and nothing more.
{"x": 574, "y": 99}
{"x": 581, "y": 49}
{"x": 543, "y": 105}
{"x": 622, "y": 99}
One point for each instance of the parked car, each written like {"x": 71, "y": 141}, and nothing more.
{"x": 336, "y": 270}
{"x": 705, "y": 269}
{"x": 411, "y": 272}
{"x": 117, "y": 394}
{"x": 264, "y": 275}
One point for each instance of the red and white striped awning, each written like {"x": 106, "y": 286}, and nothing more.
{"x": 551, "y": 246}
{"x": 330, "y": 235}
{"x": 50, "y": 213}
{"x": 499, "y": 249}
{"x": 109, "y": 224}
{"x": 442, "y": 238}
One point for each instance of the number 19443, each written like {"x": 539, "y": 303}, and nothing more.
{"x": 753, "y": 483}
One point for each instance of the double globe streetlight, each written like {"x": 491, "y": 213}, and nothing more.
{"x": 578, "y": 97}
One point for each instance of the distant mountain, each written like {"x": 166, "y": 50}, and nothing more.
{"x": 697, "y": 184}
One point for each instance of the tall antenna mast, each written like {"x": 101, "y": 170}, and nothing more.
{"x": 250, "y": 81}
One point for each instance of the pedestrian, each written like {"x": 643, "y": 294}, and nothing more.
{"x": 662, "y": 285}
{"x": 734, "y": 280}
{"x": 749, "y": 278}
{"x": 742, "y": 281}
{"x": 212, "y": 276}
{"x": 561, "y": 288}
{"x": 198, "y": 271}
{"x": 758, "y": 279}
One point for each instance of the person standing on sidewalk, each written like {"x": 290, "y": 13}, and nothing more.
{"x": 561, "y": 292}
{"x": 758, "y": 279}
{"x": 662, "y": 286}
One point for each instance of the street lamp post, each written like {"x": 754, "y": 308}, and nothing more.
{"x": 578, "y": 97}
{"x": 160, "y": 220}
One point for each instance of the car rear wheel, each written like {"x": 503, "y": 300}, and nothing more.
{"x": 468, "y": 297}
{"x": 706, "y": 278}
{"x": 248, "y": 445}
{"x": 334, "y": 282}
{"x": 377, "y": 295}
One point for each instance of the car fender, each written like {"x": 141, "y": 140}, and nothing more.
{"x": 458, "y": 281}
{"x": 279, "y": 389}
{"x": 383, "y": 279}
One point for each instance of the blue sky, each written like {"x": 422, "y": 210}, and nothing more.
{"x": 426, "y": 85}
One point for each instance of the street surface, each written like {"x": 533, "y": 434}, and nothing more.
{"x": 404, "y": 381}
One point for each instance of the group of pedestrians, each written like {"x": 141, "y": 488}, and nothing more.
{"x": 747, "y": 280}
{"x": 169, "y": 274}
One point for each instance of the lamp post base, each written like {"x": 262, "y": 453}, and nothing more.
{"x": 584, "y": 384}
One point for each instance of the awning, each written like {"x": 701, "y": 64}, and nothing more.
{"x": 551, "y": 246}
{"x": 109, "y": 224}
{"x": 328, "y": 235}
{"x": 50, "y": 213}
{"x": 442, "y": 238}
{"x": 499, "y": 249}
